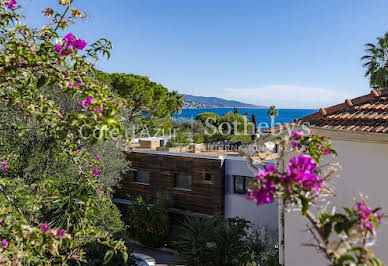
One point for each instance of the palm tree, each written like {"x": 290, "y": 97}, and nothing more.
{"x": 376, "y": 62}
{"x": 272, "y": 113}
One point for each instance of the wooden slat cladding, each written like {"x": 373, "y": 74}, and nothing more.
{"x": 204, "y": 196}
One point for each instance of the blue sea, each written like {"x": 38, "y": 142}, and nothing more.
{"x": 285, "y": 115}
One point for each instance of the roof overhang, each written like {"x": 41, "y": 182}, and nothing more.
{"x": 346, "y": 135}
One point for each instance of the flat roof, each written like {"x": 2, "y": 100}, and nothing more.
{"x": 213, "y": 154}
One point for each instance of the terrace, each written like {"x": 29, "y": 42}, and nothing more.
{"x": 215, "y": 149}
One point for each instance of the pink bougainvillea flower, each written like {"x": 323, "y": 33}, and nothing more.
{"x": 11, "y": 4}
{"x": 88, "y": 101}
{"x": 95, "y": 172}
{"x": 79, "y": 44}
{"x": 97, "y": 157}
{"x": 297, "y": 135}
{"x": 366, "y": 215}
{"x": 4, "y": 243}
{"x": 45, "y": 228}
{"x": 71, "y": 43}
{"x": 296, "y": 145}
{"x": 69, "y": 38}
{"x": 58, "y": 48}
{"x": 99, "y": 111}
{"x": 78, "y": 84}
{"x": 60, "y": 233}
{"x": 326, "y": 152}
{"x": 301, "y": 170}
{"x": 4, "y": 165}
{"x": 85, "y": 103}
{"x": 70, "y": 84}
{"x": 264, "y": 192}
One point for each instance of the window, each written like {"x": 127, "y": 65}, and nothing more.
{"x": 241, "y": 184}
{"x": 183, "y": 181}
{"x": 208, "y": 177}
{"x": 142, "y": 176}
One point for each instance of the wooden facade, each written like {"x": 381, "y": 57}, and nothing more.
{"x": 203, "y": 197}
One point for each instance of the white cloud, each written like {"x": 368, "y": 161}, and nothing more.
{"x": 288, "y": 96}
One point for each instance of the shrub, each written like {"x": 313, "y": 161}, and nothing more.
{"x": 243, "y": 125}
{"x": 242, "y": 138}
{"x": 175, "y": 123}
{"x": 216, "y": 241}
{"x": 95, "y": 252}
{"x": 180, "y": 139}
{"x": 109, "y": 219}
{"x": 194, "y": 126}
{"x": 263, "y": 244}
{"x": 148, "y": 223}
{"x": 57, "y": 177}
{"x": 212, "y": 118}
{"x": 199, "y": 138}
{"x": 215, "y": 137}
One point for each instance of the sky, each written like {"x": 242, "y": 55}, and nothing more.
{"x": 290, "y": 53}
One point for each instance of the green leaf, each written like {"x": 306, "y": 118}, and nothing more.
{"x": 345, "y": 258}
{"x": 108, "y": 255}
{"x": 348, "y": 211}
{"x": 111, "y": 121}
{"x": 376, "y": 261}
{"x": 324, "y": 217}
{"x": 305, "y": 204}
{"x": 327, "y": 230}
{"x": 125, "y": 256}
{"x": 339, "y": 227}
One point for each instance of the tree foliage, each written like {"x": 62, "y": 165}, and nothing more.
{"x": 209, "y": 117}
{"x": 272, "y": 111}
{"x": 147, "y": 102}
{"x": 51, "y": 193}
{"x": 148, "y": 223}
{"x": 234, "y": 123}
{"x": 216, "y": 241}
{"x": 376, "y": 62}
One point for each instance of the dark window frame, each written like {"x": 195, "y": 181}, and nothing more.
{"x": 208, "y": 177}
{"x": 176, "y": 176}
{"x": 245, "y": 185}
{"x": 135, "y": 176}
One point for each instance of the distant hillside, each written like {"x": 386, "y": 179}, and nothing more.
{"x": 207, "y": 102}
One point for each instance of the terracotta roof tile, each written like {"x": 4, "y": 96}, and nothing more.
{"x": 368, "y": 113}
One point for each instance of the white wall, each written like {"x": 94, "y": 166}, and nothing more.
{"x": 236, "y": 205}
{"x": 365, "y": 169}
{"x": 239, "y": 206}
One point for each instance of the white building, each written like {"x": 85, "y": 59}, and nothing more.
{"x": 237, "y": 177}
{"x": 359, "y": 132}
